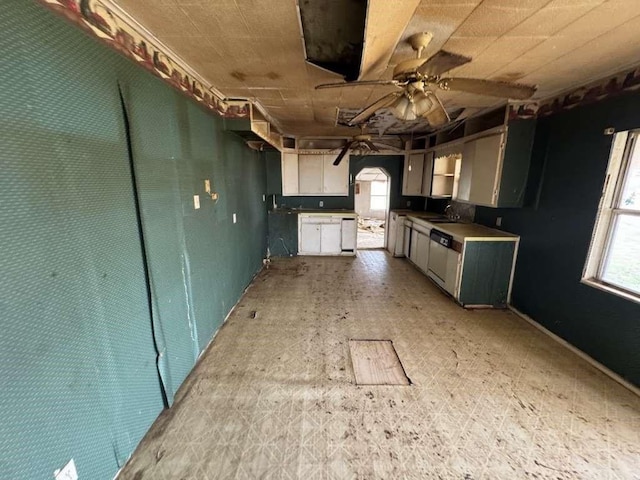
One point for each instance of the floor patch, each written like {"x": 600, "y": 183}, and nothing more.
{"x": 375, "y": 362}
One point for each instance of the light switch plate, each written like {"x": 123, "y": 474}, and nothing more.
{"x": 68, "y": 472}
{"x": 235, "y": 219}
{"x": 498, "y": 221}
{"x": 321, "y": 203}
{"x": 207, "y": 186}
{"x": 264, "y": 197}
{"x": 196, "y": 202}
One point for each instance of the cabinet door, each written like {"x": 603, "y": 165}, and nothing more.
{"x": 427, "y": 174}
{"x": 466, "y": 170}
{"x": 406, "y": 242}
{"x": 349, "y": 234}
{"x": 422, "y": 251}
{"x": 486, "y": 170}
{"x": 392, "y": 233}
{"x": 480, "y": 170}
{"x": 310, "y": 238}
{"x": 290, "y": 174}
{"x": 335, "y": 177}
{"x": 412, "y": 180}
{"x": 453, "y": 264}
{"x": 310, "y": 174}
{"x": 413, "y": 247}
{"x": 331, "y": 238}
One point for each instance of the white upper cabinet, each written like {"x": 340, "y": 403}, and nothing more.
{"x": 480, "y": 170}
{"x": 290, "y": 174}
{"x": 335, "y": 177}
{"x": 310, "y": 168}
{"x": 412, "y": 177}
{"x": 314, "y": 175}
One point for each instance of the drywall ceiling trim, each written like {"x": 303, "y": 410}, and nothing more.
{"x": 117, "y": 29}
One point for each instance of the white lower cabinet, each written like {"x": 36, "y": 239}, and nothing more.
{"x": 323, "y": 234}
{"x": 419, "y": 247}
{"x": 331, "y": 238}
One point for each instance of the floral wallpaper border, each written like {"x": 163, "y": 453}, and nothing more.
{"x": 607, "y": 87}
{"x": 105, "y": 23}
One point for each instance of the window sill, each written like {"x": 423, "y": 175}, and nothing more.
{"x": 592, "y": 282}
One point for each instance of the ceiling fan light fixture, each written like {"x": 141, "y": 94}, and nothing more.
{"x": 403, "y": 109}
{"x": 422, "y": 103}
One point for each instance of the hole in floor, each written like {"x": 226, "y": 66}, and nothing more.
{"x": 375, "y": 362}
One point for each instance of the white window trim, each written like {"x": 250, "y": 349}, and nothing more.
{"x": 607, "y": 210}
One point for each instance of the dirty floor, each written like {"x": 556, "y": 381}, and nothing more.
{"x": 492, "y": 397}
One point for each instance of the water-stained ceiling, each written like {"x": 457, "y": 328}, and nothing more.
{"x": 256, "y": 49}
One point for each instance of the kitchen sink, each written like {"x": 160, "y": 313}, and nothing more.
{"x": 441, "y": 220}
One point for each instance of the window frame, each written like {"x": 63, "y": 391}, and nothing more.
{"x": 609, "y": 212}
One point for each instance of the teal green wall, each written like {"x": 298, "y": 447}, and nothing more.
{"x": 569, "y": 162}
{"x": 78, "y": 372}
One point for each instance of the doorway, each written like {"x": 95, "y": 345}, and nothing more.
{"x": 372, "y": 205}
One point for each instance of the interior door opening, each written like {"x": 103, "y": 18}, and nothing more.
{"x": 372, "y": 206}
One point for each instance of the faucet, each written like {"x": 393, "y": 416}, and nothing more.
{"x": 450, "y": 214}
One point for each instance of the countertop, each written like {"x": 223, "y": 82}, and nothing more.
{"x": 466, "y": 231}
{"x": 307, "y": 211}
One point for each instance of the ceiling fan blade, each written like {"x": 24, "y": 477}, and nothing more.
{"x": 488, "y": 87}
{"x": 342, "y": 153}
{"x": 437, "y": 116}
{"x": 442, "y": 62}
{"x": 371, "y": 145}
{"x": 375, "y": 106}
{"x": 395, "y": 83}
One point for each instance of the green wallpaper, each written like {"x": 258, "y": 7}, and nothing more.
{"x": 78, "y": 373}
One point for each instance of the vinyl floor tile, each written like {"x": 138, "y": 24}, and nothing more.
{"x": 274, "y": 396}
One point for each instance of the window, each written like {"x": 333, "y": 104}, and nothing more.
{"x": 378, "y": 195}
{"x": 614, "y": 257}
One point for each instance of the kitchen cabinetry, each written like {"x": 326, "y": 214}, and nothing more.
{"x": 495, "y": 167}
{"x": 314, "y": 175}
{"x": 419, "y": 246}
{"x": 327, "y": 234}
{"x": 395, "y": 234}
{"x": 473, "y": 263}
{"x": 441, "y": 168}
{"x": 290, "y": 185}
{"x": 412, "y": 174}
{"x": 484, "y": 163}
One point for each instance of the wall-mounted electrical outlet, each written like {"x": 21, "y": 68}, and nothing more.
{"x": 321, "y": 203}
{"x": 408, "y": 203}
{"x": 498, "y": 221}
{"x": 196, "y": 202}
{"x": 68, "y": 472}
{"x": 214, "y": 196}
{"x": 207, "y": 186}
{"x": 235, "y": 219}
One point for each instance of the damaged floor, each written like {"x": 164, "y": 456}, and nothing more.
{"x": 491, "y": 396}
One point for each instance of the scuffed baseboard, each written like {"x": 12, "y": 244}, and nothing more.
{"x": 610, "y": 373}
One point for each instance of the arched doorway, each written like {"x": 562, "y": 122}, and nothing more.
{"x": 372, "y": 205}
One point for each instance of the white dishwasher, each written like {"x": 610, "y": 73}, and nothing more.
{"x": 443, "y": 261}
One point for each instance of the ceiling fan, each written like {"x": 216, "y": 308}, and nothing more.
{"x": 363, "y": 144}
{"x": 419, "y": 78}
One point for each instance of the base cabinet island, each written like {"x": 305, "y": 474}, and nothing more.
{"x": 472, "y": 263}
